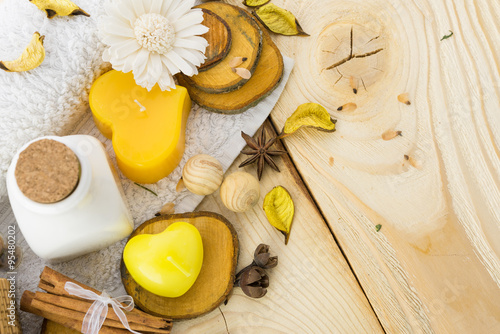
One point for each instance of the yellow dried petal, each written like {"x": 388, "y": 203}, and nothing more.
{"x": 309, "y": 115}
{"x": 279, "y": 20}
{"x": 279, "y": 209}
{"x": 32, "y": 56}
{"x": 255, "y": 3}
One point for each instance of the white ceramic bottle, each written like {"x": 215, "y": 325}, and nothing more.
{"x": 93, "y": 216}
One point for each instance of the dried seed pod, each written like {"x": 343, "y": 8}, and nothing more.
{"x": 279, "y": 20}
{"x": 168, "y": 209}
{"x": 263, "y": 258}
{"x": 237, "y": 61}
{"x": 202, "y": 174}
{"x": 391, "y": 134}
{"x": 180, "y": 186}
{"x": 279, "y": 209}
{"x": 240, "y": 191}
{"x": 242, "y": 72}
{"x": 348, "y": 107}
{"x": 254, "y": 282}
{"x": 404, "y": 98}
{"x": 309, "y": 115}
{"x": 354, "y": 84}
{"x": 414, "y": 163}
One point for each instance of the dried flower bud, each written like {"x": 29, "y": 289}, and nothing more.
{"x": 263, "y": 258}
{"x": 254, "y": 282}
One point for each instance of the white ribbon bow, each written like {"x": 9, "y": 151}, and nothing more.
{"x": 98, "y": 311}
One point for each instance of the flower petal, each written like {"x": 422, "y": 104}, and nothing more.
{"x": 138, "y": 7}
{"x": 116, "y": 27}
{"x": 182, "y": 8}
{"x": 154, "y": 67}
{"x": 124, "y": 49}
{"x": 168, "y": 6}
{"x": 112, "y": 39}
{"x": 188, "y": 55}
{"x": 170, "y": 66}
{"x": 156, "y": 6}
{"x": 191, "y": 18}
{"x": 140, "y": 62}
{"x": 127, "y": 12}
{"x": 197, "y": 29}
{"x": 166, "y": 81}
{"x": 186, "y": 68}
{"x": 106, "y": 55}
{"x": 128, "y": 64}
{"x": 193, "y": 42}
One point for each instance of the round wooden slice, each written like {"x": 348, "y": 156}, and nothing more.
{"x": 266, "y": 77}
{"x": 216, "y": 278}
{"x": 246, "y": 41}
{"x": 218, "y": 38}
{"x": 47, "y": 171}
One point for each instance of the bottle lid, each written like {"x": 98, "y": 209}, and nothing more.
{"x": 47, "y": 171}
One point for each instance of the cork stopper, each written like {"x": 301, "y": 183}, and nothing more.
{"x": 47, "y": 171}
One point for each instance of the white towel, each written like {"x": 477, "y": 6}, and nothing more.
{"x": 52, "y": 100}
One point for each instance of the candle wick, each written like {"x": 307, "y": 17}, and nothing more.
{"x": 182, "y": 270}
{"x": 143, "y": 108}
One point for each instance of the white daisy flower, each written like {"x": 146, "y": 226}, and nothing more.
{"x": 155, "y": 39}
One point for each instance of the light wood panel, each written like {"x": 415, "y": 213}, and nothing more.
{"x": 434, "y": 265}
{"x": 312, "y": 290}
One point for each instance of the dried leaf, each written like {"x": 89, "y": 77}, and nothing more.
{"x": 237, "y": 61}
{"x": 180, "y": 186}
{"x": 147, "y": 189}
{"x": 255, "y": 3}
{"x": 404, "y": 98}
{"x": 309, "y": 115}
{"x": 279, "y": 20}
{"x": 378, "y": 227}
{"x": 447, "y": 36}
{"x": 242, "y": 72}
{"x": 168, "y": 209}
{"x": 279, "y": 209}
{"x": 391, "y": 134}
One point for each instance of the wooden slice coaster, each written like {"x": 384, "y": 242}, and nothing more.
{"x": 266, "y": 77}
{"x": 218, "y": 38}
{"x": 246, "y": 41}
{"x": 47, "y": 171}
{"x": 216, "y": 278}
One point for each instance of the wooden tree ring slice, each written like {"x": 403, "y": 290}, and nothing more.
{"x": 218, "y": 38}
{"x": 216, "y": 278}
{"x": 266, "y": 77}
{"x": 246, "y": 41}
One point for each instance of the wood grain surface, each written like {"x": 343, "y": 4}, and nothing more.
{"x": 434, "y": 265}
{"x": 218, "y": 39}
{"x": 312, "y": 290}
{"x": 215, "y": 281}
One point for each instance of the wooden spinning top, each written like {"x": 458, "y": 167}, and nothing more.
{"x": 47, "y": 171}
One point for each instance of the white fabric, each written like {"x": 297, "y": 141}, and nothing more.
{"x": 52, "y": 100}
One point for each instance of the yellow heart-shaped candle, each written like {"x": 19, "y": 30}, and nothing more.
{"x": 166, "y": 264}
{"x": 147, "y": 128}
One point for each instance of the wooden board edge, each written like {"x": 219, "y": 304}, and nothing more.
{"x": 224, "y": 53}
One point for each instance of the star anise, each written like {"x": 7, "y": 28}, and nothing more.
{"x": 260, "y": 152}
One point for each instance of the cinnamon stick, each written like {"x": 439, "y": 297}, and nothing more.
{"x": 53, "y": 282}
{"x": 26, "y": 305}
{"x": 135, "y": 321}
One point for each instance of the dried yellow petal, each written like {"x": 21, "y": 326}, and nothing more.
{"x": 279, "y": 209}
{"x": 309, "y": 115}
{"x": 279, "y": 20}
{"x": 59, "y": 7}
{"x": 255, "y": 3}
{"x": 31, "y": 58}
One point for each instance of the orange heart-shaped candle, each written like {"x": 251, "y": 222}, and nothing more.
{"x": 147, "y": 128}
